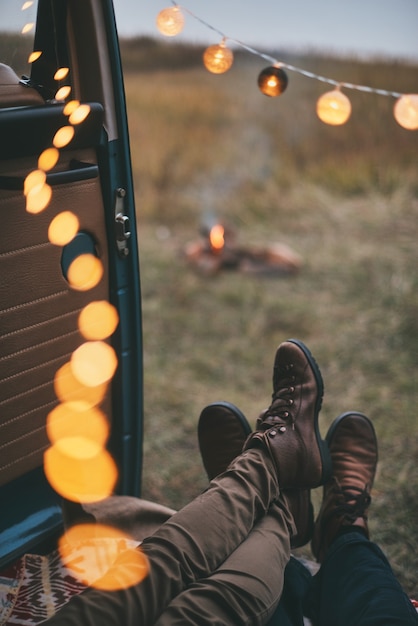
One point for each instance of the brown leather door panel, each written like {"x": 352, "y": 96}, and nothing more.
{"x": 38, "y": 308}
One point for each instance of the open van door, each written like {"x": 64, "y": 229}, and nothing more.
{"x": 76, "y": 58}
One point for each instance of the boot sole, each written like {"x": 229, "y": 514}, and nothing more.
{"x": 322, "y": 444}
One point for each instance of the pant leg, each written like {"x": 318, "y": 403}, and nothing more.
{"x": 189, "y": 546}
{"x": 246, "y": 588}
{"x": 356, "y": 585}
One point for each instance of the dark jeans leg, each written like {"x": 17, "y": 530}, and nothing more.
{"x": 356, "y": 585}
{"x": 297, "y": 580}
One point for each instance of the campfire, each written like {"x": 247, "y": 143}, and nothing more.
{"x": 216, "y": 249}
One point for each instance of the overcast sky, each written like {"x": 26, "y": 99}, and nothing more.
{"x": 376, "y": 27}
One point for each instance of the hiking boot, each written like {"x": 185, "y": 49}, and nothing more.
{"x": 289, "y": 427}
{"x": 222, "y": 432}
{"x": 346, "y": 499}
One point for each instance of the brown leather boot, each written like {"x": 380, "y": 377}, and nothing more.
{"x": 353, "y": 446}
{"x": 222, "y": 431}
{"x": 289, "y": 428}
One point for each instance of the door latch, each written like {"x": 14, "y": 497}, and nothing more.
{"x": 122, "y": 225}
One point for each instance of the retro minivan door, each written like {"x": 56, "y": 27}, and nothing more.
{"x": 67, "y": 241}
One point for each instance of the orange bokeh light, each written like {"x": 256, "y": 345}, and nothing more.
{"x": 85, "y": 272}
{"x": 61, "y": 73}
{"x": 79, "y": 114}
{"x": 34, "y": 181}
{"x": 71, "y": 419}
{"x": 71, "y": 106}
{"x": 38, "y": 198}
{"x": 98, "y": 320}
{"x": 94, "y": 363}
{"x": 48, "y": 159}
{"x": 63, "y": 92}
{"x": 63, "y": 136}
{"x": 63, "y": 228}
{"x": 28, "y": 27}
{"x": 79, "y": 469}
{"x": 68, "y": 389}
{"x": 34, "y": 56}
{"x": 91, "y": 550}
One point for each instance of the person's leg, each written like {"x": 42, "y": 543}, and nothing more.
{"x": 217, "y": 452}
{"x": 194, "y": 542}
{"x": 355, "y": 584}
{"x": 247, "y": 587}
{"x": 189, "y": 546}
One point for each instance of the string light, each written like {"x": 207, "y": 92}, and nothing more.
{"x": 333, "y": 108}
{"x": 61, "y": 73}
{"x": 272, "y": 81}
{"x": 34, "y": 56}
{"x": 218, "y": 58}
{"x": 170, "y": 21}
{"x": 405, "y": 110}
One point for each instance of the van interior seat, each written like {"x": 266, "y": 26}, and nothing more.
{"x": 14, "y": 93}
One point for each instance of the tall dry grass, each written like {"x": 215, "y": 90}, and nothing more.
{"x": 345, "y": 199}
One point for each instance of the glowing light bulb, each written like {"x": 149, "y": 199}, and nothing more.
{"x": 27, "y": 5}
{"x": 85, "y": 272}
{"x": 63, "y": 136}
{"x": 37, "y": 199}
{"x": 71, "y": 106}
{"x": 34, "y": 56}
{"x": 272, "y": 81}
{"x": 333, "y": 108}
{"x": 77, "y": 419}
{"x": 61, "y": 73}
{"x": 90, "y": 550}
{"x": 170, "y": 21}
{"x": 406, "y": 111}
{"x": 98, "y": 320}
{"x": 79, "y": 114}
{"x": 48, "y": 159}
{"x": 218, "y": 58}
{"x": 63, "y": 228}
{"x": 80, "y": 469}
{"x": 34, "y": 181}
{"x": 94, "y": 363}
{"x": 63, "y": 92}
{"x": 28, "y": 27}
{"x": 68, "y": 389}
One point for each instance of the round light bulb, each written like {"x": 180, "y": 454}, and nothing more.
{"x": 93, "y": 363}
{"x": 406, "y": 111}
{"x": 63, "y": 228}
{"x": 63, "y": 136}
{"x": 218, "y": 58}
{"x": 333, "y": 108}
{"x": 90, "y": 551}
{"x": 272, "y": 81}
{"x": 170, "y": 21}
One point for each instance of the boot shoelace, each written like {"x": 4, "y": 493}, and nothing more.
{"x": 282, "y": 399}
{"x": 351, "y": 505}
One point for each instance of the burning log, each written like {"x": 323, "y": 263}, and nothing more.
{"x": 216, "y": 251}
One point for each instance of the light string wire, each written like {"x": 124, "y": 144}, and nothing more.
{"x": 292, "y": 68}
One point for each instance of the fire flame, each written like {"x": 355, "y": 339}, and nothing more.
{"x": 217, "y": 237}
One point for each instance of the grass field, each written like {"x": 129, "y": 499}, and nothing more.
{"x": 345, "y": 199}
